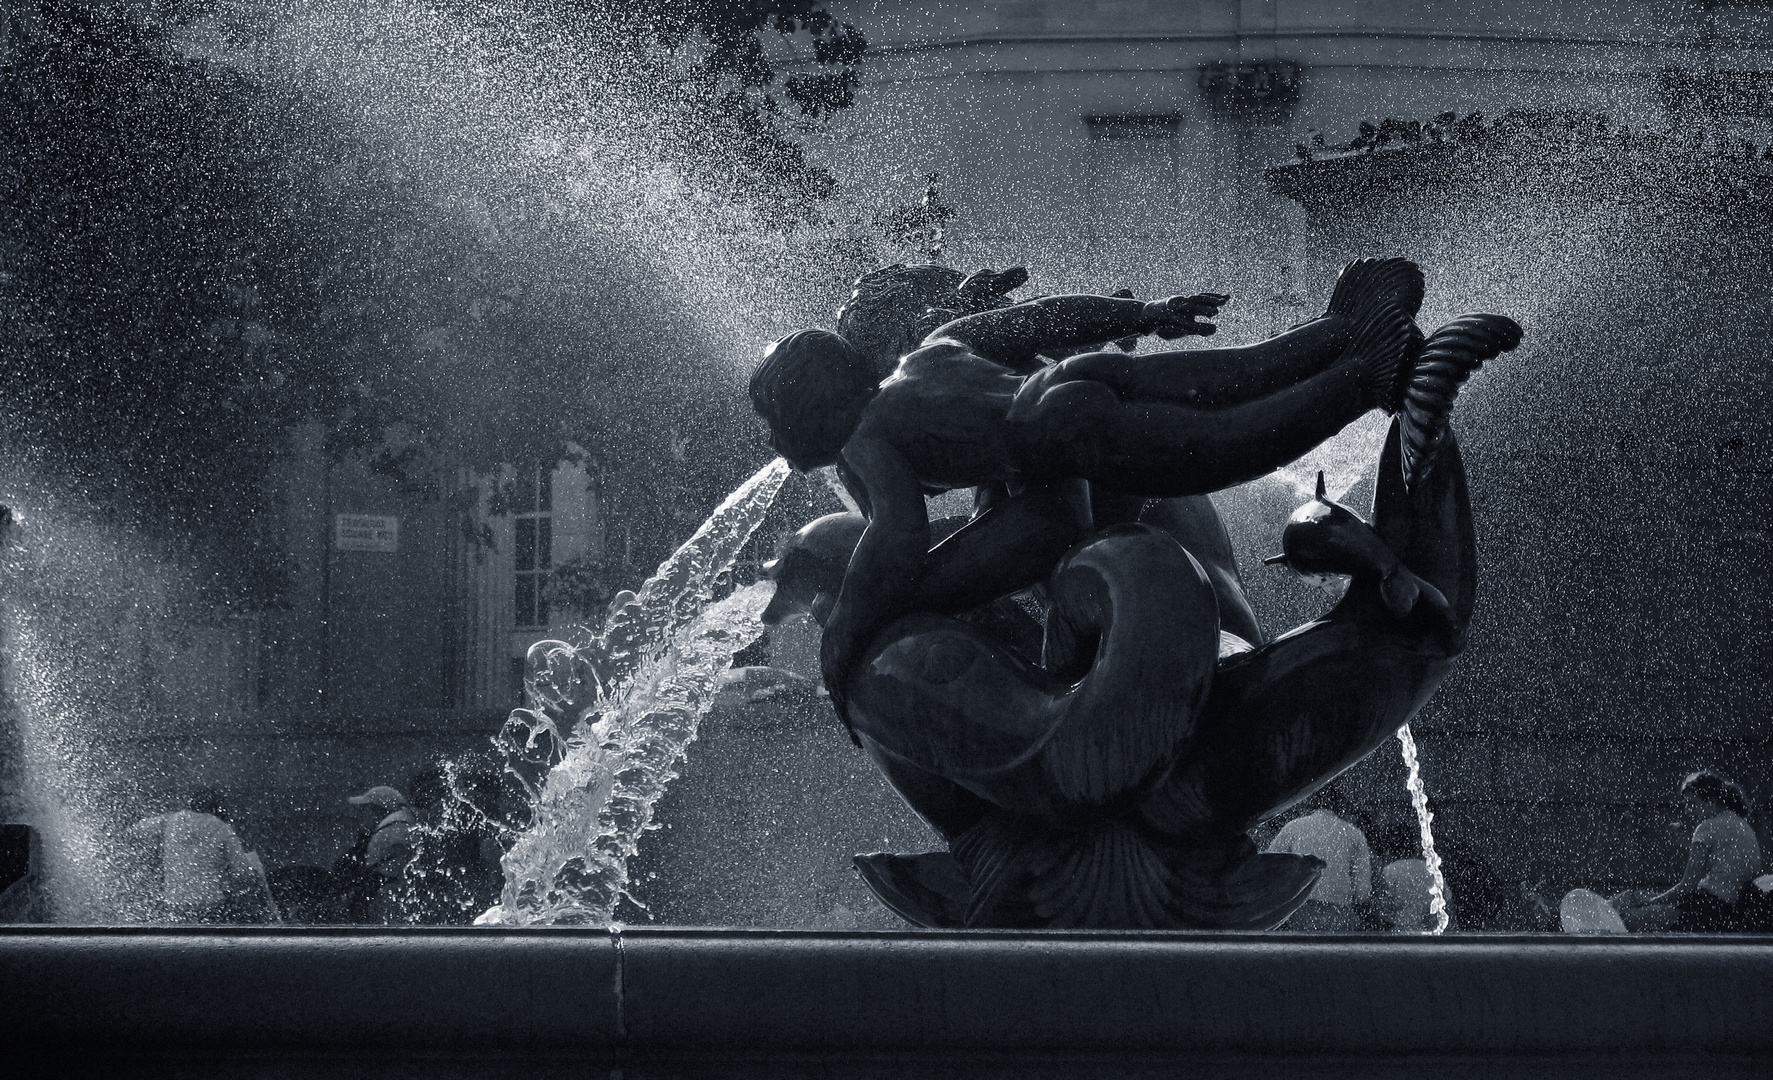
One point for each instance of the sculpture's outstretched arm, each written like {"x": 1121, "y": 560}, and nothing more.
{"x": 1015, "y": 335}
{"x": 883, "y": 572}
{"x": 1014, "y": 544}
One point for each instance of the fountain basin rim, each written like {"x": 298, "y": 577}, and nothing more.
{"x": 630, "y": 933}
{"x": 719, "y": 995}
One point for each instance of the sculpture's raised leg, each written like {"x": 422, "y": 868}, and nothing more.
{"x": 1189, "y": 423}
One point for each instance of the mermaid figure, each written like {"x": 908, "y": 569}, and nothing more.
{"x": 1111, "y": 782}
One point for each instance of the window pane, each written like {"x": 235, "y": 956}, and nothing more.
{"x": 541, "y": 603}
{"x": 523, "y": 493}
{"x": 544, "y": 530}
{"x": 544, "y": 488}
{"x": 526, "y": 544}
{"x": 526, "y": 599}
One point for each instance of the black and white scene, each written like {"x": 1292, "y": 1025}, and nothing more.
{"x": 810, "y": 538}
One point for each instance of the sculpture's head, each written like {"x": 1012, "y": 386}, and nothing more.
{"x": 895, "y": 307}
{"x": 811, "y": 388}
{"x": 809, "y": 568}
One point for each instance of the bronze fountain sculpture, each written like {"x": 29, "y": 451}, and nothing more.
{"x": 1100, "y": 766}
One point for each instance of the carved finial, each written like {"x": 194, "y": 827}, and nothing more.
{"x": 920, "y": 225}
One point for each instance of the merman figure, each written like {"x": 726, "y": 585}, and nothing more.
{"x": 895, "y": 308}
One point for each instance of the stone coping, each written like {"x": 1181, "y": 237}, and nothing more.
{"x": 735, "y": 1003}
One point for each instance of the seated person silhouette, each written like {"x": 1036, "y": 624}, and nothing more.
{"x": 1157, "y": 425}
{"x": 1723, "y": 858}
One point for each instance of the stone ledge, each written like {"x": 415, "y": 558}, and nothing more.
{"x": 742, "y": 1003}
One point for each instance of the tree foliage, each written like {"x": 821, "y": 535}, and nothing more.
{"x": 734, "y": 79}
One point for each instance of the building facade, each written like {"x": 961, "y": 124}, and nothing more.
{"x": 408, "y": 608}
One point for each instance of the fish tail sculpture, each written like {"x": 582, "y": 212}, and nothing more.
{"x": 1288, "y": 718}
{"x": 1448, "y": 358}
{"x": 1034, "y": 773}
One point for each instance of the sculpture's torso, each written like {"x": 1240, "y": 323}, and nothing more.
{"x": 944, "y": 409}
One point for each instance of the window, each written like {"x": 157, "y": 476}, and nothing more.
{"x": 533, "y": 517}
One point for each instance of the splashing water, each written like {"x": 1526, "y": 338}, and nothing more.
{"x": 1437, "y": 887}
{"x": 828, "y": 477}
{"x": 609, "y": 719}
{"x": 551, "y": 145}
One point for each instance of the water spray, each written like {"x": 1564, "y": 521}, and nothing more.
{"x": 828, "y": 476}
{"x": 609, "y": 720}
{"x": 1437, "y": 885}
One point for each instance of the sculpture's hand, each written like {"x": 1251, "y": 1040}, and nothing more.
{"x": 1176, "y": 316}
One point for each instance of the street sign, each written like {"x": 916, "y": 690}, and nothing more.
{"x": 365, "y": 532}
